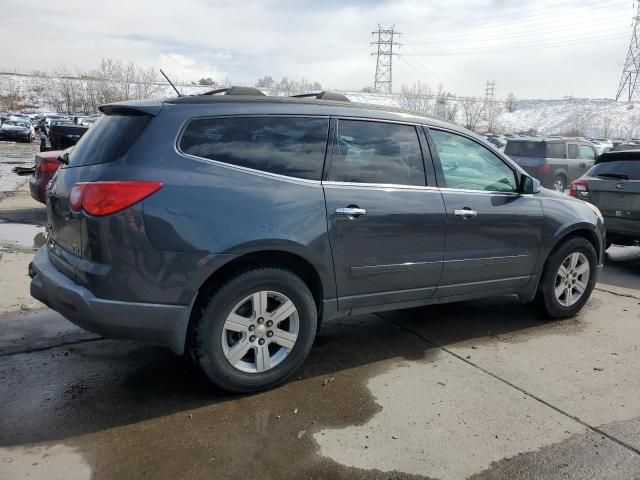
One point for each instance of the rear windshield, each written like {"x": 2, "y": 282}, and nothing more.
{"x": 109, "y": 139}
{"x": 630, "y": 168}
{"x": 520, "y": 148}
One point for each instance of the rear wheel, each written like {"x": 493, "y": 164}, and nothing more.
{"x": 568, "y": 278}
{"x": 256, "y": 330}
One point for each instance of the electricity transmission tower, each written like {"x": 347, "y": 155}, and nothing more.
{"x": 629, "y": 87}
{"x": 490, "y": 92}
{"x": 385, "y": 42}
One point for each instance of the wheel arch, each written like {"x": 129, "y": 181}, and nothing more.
{"x": 293, "y": 262}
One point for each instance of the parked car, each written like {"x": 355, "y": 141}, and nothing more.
{"x": 555, "y": 162}
{"x": 613, "y": 185}
{"x": 46, "y": 165}
{"x": 621, "y": 147}
{"x": 53, "y": 118}
{"x": 497, "y": 140}
{"x": 63, "y": 134}
{"x": 232, "y": 225}
{"x": 16, "y": 130}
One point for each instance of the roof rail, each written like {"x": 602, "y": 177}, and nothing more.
{"x": 236, "y": 91}
{"x": 324, "y": 95}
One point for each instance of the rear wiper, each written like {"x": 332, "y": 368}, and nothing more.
{"x": 621, "y": 176}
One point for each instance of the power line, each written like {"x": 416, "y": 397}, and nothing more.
{"x": 385, "y": 41}
{"x": 517, "y": 48}
{"x": 629, "y": 87}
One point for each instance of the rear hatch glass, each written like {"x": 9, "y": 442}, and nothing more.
{"x": 108, "y": 140}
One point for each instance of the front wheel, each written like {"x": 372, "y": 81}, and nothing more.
{"x": 255, "y": 331}
{"x": 568, "y": 279}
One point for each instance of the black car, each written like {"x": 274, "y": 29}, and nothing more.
{"x": 232, "y": 224}
{"x": 16, "y": 130}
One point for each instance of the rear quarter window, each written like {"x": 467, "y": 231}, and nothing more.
{"x": 520, "y": 148}
{"x": 292, "y": 146}
{"x": 109, "y": 139}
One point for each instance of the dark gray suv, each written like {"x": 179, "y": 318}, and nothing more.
{"x": 230, "y": 226}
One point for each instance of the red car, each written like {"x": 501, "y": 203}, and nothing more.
{"x": 47, "y": 164}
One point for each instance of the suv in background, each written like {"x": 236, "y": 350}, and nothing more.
{"x": 613, "y": 185}
{"x": 555, "y": 162}
{"x": 231, "y": 225}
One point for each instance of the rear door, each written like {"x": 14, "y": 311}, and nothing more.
{"x": 493, "y": 232}
{"x": 386, "y": 224}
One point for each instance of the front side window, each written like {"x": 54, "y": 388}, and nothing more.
{"x": 468, "y": 165}
{"x": 292, "y": 146}
{"x": 586, "y": 152}
{"x": 376, "y": 152}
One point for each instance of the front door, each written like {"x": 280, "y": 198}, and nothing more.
{"x": 386, "y": 227}
{"x": 493, "y": 232}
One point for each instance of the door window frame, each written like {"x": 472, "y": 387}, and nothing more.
{"x": 441, "y": 181}
{"x": 429, "y": 182}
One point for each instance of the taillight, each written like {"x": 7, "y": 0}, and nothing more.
{"x": 48, "y": 165}
{"x": 579, "y": 189}
{"x": 105, "y": 198}
{"x": 544, "y": 169}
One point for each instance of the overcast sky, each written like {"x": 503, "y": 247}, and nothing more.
{"x": 534, "y": 48}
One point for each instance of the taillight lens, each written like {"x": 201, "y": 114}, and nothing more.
{"x": 48, "y": 165}
{"x": 105, "y": 198}
{"x": 579, "y": 189}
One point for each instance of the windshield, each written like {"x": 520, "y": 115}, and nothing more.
{"x": 628, "y": 169}
{"x": 15, "y": 124}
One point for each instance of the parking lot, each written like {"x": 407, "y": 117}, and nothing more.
{"x": 480, "y": 389}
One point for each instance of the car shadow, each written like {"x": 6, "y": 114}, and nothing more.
{"x": 622, "y": 268}
{"x": 90, "y": 387}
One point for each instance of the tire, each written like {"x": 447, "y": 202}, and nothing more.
{"x": 559, "y": 184}
{"x": 547, "y": 299}
{"x": 212, "y": 342}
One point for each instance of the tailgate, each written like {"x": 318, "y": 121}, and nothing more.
{"x": 616, "y": 198}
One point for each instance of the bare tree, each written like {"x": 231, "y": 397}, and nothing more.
{"x": 472, "y": 110}
{"x": 417, "y": 98}
{"x": 493, "y": 110}
{"x": 266, "y": 82}
{"x": 11, "y": 95}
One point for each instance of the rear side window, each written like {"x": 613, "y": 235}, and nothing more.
{"x": 519, "y": 148}
{"x": 375, "y": 152}
{"x": 628, "y": 168}
{"x": 573, "y": 150}
{"x": 556, "y": 150}
{"x": 293, "y": 146}
{"x": 109, "y": 139}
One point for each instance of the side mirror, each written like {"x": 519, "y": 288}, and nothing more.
{"x": 529, "y": 185}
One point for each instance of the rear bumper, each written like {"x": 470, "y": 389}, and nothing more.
{"x": 158, "y": 324}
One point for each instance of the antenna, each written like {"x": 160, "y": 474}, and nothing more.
{"x": 170, "y": 83}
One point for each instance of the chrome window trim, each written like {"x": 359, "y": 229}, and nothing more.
{"x": 394, "y": 186}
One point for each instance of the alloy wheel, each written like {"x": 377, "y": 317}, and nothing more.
{"x": 260, "y": 332}
{"x": 572, "y": 279}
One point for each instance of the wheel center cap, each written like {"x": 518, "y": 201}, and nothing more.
{"x": 261, "y": 329}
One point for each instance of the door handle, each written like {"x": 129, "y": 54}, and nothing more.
{"x": 465, "y": 213}
{"x": 352, "y": 212}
